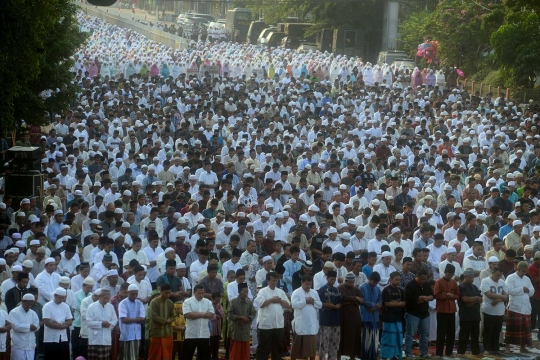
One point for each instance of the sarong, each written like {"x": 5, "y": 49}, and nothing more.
{"x": 330, "y": 337}
{"x": 370, "y": 340}
{"x": 99, "y": 352}
{"x": 239, "y": 350}
{"x": 392, "y": 340}
{"x": 304, "y": 346}
{"x": 115, "y": 348}
{"x": 518, "y": 329}
{"x": 129, "y": 350}
{"x": 22, "y": 354}
{"x": 160, "y": 348}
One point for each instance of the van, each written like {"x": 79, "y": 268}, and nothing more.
{"x": 389, "y": 56}
{"x": 255, "y": 30}
{"x": 262, "y": 37}
{"x": 273, "y": 39}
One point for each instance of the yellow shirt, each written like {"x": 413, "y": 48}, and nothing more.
{"x": 178, "y": 321}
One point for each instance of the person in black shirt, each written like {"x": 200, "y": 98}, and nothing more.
{"x": 469, "y": 314}
{"x": 392, "y": 332}
{"x": 318, "y": 264}
{"x": 418, "y": 294}
{"x": 317, "y": 241}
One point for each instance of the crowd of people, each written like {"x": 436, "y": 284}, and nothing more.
{"x": 290, "y": 204}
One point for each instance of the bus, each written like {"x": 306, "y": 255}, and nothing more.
{"x": 237, "y": 23}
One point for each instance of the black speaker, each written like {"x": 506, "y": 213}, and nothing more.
{"x": 23, "y": 185}
{"x": 24, "y": 153}
{"x": 101, "y": 2}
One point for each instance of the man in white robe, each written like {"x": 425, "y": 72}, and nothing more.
{"x": 25, "y": 323}
{"x": 47, "y": 281}
{"x": 101, "y": 319}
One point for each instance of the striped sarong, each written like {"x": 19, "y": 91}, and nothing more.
{"x": 99, "y": 352}
{"x": 391, "y": 341}
{"x": 518, "y": 329}
{"x": 370, "y": 340}
{"x": 129, "y": 350}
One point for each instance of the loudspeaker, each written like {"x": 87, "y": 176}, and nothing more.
{"x": 102, "y": 2}
{"x": 24, "y": 153}
{"x": 23, "y": 185}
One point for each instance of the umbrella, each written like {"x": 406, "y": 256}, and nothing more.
{"x": 460, "y": 73}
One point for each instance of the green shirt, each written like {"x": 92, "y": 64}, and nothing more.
{"x": 237, "y": 307}
{"x": 160, "y": 311}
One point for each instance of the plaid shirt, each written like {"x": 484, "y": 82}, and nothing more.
{"x": 405, "y": 279}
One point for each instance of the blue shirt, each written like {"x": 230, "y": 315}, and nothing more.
{"x": 131, "y": 310}
{"x": 367, "y": 270}
{"x": 329, "y": 317}
{"x": 372, "y": 296}
{"x": 79, "y": 297}
{"x": 53, "y": 231}
{"x": 290, "y": 269}
{"x": 505, "y": 230}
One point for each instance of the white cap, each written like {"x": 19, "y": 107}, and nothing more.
{"x": 112, "y": 272}
{"x": 386, "y": 254}
{"x": 60, "y": 291}
{"x": 16, "y": 268}
{"x": 49, "y": 260}
{"x": 395, "y": 230}
{"x": 133, "y": 287}
{"x": 65, "y": 280}
{"x": 28, "y": 264}
{"x": 493, "y": 259}
{"x": 267, "y": 258}
{"x": 517, "y": 222}
{"x": 28, "y": 297}
{"x": 452, "y": 249}
{"x": 88, "y": 281}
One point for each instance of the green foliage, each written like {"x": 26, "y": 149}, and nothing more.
{"x": 37, "y": 39}
{"x": 516, "y": 44}
{"x": 494, "y": 78}
{"x": 462, "y": 29}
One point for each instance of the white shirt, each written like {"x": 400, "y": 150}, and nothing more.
{"x": 87, "y": 301}
{"x": 3, "y": 336}
{"x": 232, "y": 291}
{"x": 384, "y": 272}
{"x": 306, "y": 320}
{"x": 488, "y": 285}
{"x": 271, "y": 316}
{"x": 152, "y": 255}
{"x": 407, "y": 248}
{"x": 280, "y": 232}
{"x": 319, "y": 280}
{"x": 375, "y": 245}
{"x": 46, "y": 283}
{"x": 22, "y": 338}
{"x": 443, "y": 264}
{"x": 157, "y": 221}
{"x": 140, "y": 256}
{"x": 228, "y": 265}
{"x": 195, "y": 269}
{"x": 95, "y": 315}
{"x": 197, "y": 328}
{"x": 144, "y": 289}
{"x": 434, "y": 258}
{"x": 59, "y": 313}
{"x": 99, "y": 257}
{"x": 260, "y": 276}
{"x": 519, "y": 300}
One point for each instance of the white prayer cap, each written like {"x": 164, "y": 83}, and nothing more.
{"x": 331, "y": 230}
{"x": 28, "y": 297}
{"x": 16, "y": 236}
{"x": 452, "y": 249}
{"x": 517, "y": 222}
{"x": 313, "y": 207}
{"x": 361, "y": 229}
{"x": 2, "y": 261}
{"x": 15, "y": 250}
{"x": 181, "y": 233}
{"x": 395, "y": 230}
{"x": 16, "y": 268}
{"x": 493, "y": 259}
{"x": 133, "y": 287}
{"x": 279, "y": 215}
{"x": 66, "y": 227}
{"x": 58, "y": 212}
{"x": 345, "y": 236}
{"x": 65, "y": 280}
{"x": 112, "y": 272}
{"x": 180, "y": 266}
{"x": 168, "y": 250}
{"x": 20, "y": 243}
{"x": 386, "y": 254}
{"x": 88, "y": 281}
{"x": 264, "y": 214}
{"x": 28, "y": 264}
{"x": 49, "y": 260}
{"x": 267, "y": 258}
{"x": 2, "y": 205}
{"x": 94, "y": 221}
{"x": 60, "y": 291}
{"x": 229, "y": 224}
{"x": 97, "y": 292}
{"x": 125, "y": 224}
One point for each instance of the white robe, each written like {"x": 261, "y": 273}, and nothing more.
{"x": 23, "y": 340}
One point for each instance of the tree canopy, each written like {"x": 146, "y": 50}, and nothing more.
{"x": 516, "y": 43}
{"x": 462, "y": 29}
{"x": 37, "y": 39}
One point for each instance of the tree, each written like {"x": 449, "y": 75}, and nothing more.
{"x": 36, "y": 42}
{"x": 462, "y": 29}
{"x": 516, "y": 43}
